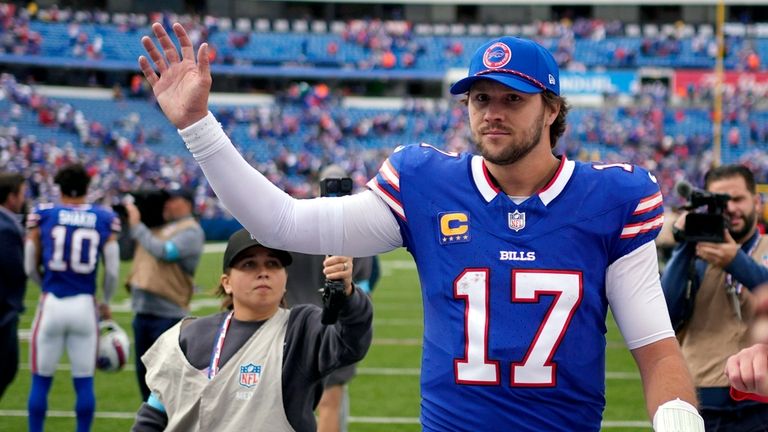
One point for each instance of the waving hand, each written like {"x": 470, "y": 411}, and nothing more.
{"x": 183, "y": 85}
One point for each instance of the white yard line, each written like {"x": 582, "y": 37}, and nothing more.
{"x": 353, "y": 419}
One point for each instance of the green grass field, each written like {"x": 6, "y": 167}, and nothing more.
{"x": 384, "y": 396}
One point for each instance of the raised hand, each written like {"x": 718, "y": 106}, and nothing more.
{"x": 183, "y": 86}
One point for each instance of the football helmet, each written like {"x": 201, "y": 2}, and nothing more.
{"x": 114, "y": 347}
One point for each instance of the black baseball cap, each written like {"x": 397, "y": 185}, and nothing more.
{"x": 182, "y": 192}
{"x": 242, "y": 240}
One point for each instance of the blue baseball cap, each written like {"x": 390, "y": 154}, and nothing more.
{"x": 521, "y": 64}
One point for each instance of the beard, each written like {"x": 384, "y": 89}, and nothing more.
{"x": 749, "y": 223}
{"x": 518, "y": 148}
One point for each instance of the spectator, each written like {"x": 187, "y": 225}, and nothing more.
{"x": 12, "y": 195}
{"x": 161, "y": 279}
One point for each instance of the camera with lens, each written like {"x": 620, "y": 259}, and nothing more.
{"x": 331, "y": 187}
{"x": 706, "y": 221}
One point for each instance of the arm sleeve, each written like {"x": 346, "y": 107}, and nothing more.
{"x": 634, "y": 293}
{"x": 149, "y": 419}
{"x": 30, "y": 261}
{"x": 678, "y": 284}
{"x": 144, "y": 237}
{"x": 357, "y": 225}
{"x": 747, "y": 271}
{"x": 348, "y": 340}
{"x": 111, "y": 269}
{"x": 182, "y": 244}
{"x": 318, "y": 349}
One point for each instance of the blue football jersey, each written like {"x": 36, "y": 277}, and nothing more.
{"x": 72, "y": 239}
{"x": 514, "y": 294}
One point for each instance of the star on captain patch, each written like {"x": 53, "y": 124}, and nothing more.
{"x": 516, "y": 220}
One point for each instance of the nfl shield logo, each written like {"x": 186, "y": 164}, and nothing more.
{"x": 249, "y": 375}
{"x": 516, "y": 220}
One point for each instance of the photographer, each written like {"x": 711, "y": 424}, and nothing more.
{"x": 256, "y": 366}
{"x": 161, "y": 277}
{"x": 708, "y": 288}
{"x": 305, "y": 276}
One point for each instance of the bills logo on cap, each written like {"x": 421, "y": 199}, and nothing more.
{"x": 250, "y": 375}
{"x": 497, "y": 55}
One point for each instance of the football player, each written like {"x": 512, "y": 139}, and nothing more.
{"x": 520, "y": 252}
{"x": 65, "y": 242}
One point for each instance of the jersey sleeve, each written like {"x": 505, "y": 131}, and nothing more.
{"x": 386, "y": 183}
{"x": 643, "y": 215}
{"x": 33, "y": 218}
{"x": 115, "y": 225}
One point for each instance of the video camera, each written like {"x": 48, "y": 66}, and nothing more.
{"x": 333, "y": 295}
{"x": 150, "y": 203}
{"x": 708, "y": 224}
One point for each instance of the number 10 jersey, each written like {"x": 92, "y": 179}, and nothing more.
{"x": 72, "y": 239}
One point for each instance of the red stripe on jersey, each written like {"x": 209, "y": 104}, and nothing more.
{"x": 487, "y": 175}
{"x": 648, "y": 204}
{"x": 388, "y": 198}
{"x": 35, "y": 330}
{"x": 633, "y": 230}
{"x": 393, "y": 182}
{"x": 554, "y": 177}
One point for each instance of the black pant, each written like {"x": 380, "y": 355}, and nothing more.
{"x": 9, "y": 347}
{"x": 146, "y": 329}
{"x": 752, "y": 418}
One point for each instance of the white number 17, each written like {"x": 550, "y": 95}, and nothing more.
{"x": 537, "y": 368}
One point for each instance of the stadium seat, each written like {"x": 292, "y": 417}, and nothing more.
{"x": 319, "y": 27}
{"x": 300, "y": 26}
{"x": 243, "y": 24}
{"x": 262, "y": 25}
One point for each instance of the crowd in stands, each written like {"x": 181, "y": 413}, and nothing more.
{"x": 367, "y": 44}
{"x": 122, "y": 159}
{"x": 122, "y": 162}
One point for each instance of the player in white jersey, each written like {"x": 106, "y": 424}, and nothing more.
{"x": 497, "y": 216}
{"x": 66, "y": 241}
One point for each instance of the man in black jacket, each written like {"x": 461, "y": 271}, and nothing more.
{"x": 14, "y": 280}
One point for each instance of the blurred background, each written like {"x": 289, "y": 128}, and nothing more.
{"x": 298, "y": 85}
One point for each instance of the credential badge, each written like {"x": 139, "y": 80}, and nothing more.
{"x": 516, "y": 220}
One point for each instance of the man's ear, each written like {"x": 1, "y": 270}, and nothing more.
{"x": 554, "y": 112}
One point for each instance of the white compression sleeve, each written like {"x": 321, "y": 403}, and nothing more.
{"x": 634, "y": 293}
{"x": 357, "y": 225}
{"x": 30, "y": 262}
{"x": 111, "y": 269}
{"x": 677, "y": 416}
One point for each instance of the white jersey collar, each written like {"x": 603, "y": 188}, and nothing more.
{"x": 488, "y": 188}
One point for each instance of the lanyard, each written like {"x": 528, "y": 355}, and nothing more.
{"x": 213, "y": 368}
{"x": 729, "y": 279}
